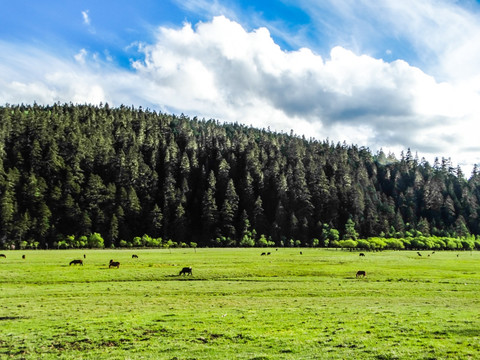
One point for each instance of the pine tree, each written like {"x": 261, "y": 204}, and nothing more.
{"x": 113, "y": 232}
{"x": 155, "y": 220}
{"x": 259, "y": 219}
{"x": 210, "y": 211}
{"x": 229, "y": 211}
{"x": 350, "y": 232}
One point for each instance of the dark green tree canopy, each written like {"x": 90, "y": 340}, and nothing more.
{"x": 124, "y": 172}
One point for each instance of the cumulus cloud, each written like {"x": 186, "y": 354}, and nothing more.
{"x": 221, "y": 70}
{"x": 218, "y": 69}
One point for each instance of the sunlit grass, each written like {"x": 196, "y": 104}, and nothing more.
{"x": 240, "y": 305}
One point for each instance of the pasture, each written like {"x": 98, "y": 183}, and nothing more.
{"x": 238, "y": 304}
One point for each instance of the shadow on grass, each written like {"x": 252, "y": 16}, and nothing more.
{"x": 459, "y": 332}
{"x": 11, "y": 317}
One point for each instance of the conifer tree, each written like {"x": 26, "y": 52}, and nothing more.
{"x": 210, "y": 211}
{"x": 229, "y": 211}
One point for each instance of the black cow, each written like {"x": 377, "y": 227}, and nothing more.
{"x": 3, "y": 256}
{"x": 23, "y": 256}
{"x": 362, "y": 254}
{"x": 75, "y": 262}
{"x": 361, "y": 273}
{"x": 113, "y": 264}
{"x": 263, "y": 254}
{"x": 186, "y": 271}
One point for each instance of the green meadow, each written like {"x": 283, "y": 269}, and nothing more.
{"x": 240, "y": 305}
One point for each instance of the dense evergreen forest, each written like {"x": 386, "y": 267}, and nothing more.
{"x": 131, "y": 176}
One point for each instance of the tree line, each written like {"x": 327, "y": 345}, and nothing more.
{"x": 136, "y": 176}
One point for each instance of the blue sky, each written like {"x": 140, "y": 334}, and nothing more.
{"x": 382, "y": 74}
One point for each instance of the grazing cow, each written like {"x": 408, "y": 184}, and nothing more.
{"x": 419, "y": 253}
{"x": 361, "y": 273}
{"x": 301, "y": 253}
{"x": 113, "y": 264}
{"x": 84, "y": 256}
{"x": 75, "y": 262}
{"x": 134, "y": 256}
{"x": 268, "y": 253}
{"x": 23, "y": 256}
{"x": 263, "y": 254}
{"x": 186, "y": 271}
{"x": 362, "y": 254}
{"x": 3, "y": 255}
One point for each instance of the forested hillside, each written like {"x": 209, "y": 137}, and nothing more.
{"x": 69, "y": 171}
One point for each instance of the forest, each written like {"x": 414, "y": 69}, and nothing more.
{"x": 97, "y": 176}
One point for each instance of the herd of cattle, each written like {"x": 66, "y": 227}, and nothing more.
{"x": 188, "y": 270}
{"x": 111, "y": 264}
{"x": 114, "y": 264}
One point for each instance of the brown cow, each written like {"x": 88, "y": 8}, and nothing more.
{"x": 75, "y": 262}
{"x": 186, "y": 271}
{"x": 114, "y": 264}
{"x": 361, "y": 273}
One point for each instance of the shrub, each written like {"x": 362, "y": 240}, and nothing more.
{"x": 95, "y": 240}
{"x": 394, "y": 244}
{"x": 262, "y": 241}
{"x": 363, "y": 244}
{"x": 377, "y": 243}
{"x": 247, "y": 241}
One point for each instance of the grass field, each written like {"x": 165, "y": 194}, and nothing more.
{"x": 240, "y": 305}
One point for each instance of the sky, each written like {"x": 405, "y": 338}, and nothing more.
{"x": 383, "y": 74}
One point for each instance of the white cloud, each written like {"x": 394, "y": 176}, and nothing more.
{"x": 442, "y": 36}
{"x": 30, "y": 75}
{"x": 87, "y": 21}
{"x": 209, "y": 8}
{"x": 80, "y": 57}
{"x": 108, "y": 56}
{"x": 445, "y": 34}
{"x": 86, "y": 18}
{"x": 220, "y": 70}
